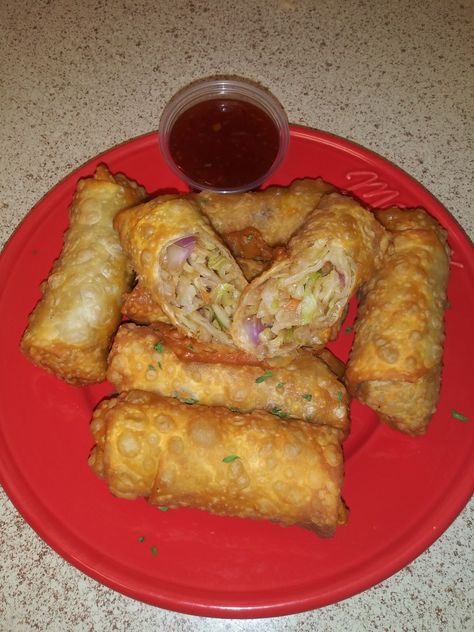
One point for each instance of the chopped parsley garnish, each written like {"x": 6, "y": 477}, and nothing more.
{"x": 163, "y": 508}
{"x": 280, "y": 386}
{"x": 141, "y": 538}
{"x": 234, "y": 409}
{"x": 307, "y": 396}
{"x": 249, "y": 237}
{"x": 151, "y": 367}
{"x": 230, "y": 458}
{"x": 185, "y": 400}
{"x": 265, "y": 376}
{"x": 456, "y": 415}
{"x": 279, "y": 412}
{"x": 153, "y": 550}
{"x": 159, "y": 347}
{"x": 339, "y": 395}
{"x": 349, "y": 330}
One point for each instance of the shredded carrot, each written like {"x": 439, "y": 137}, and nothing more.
{"x": 206, "y": 297}
{"x": 293, "y": 304}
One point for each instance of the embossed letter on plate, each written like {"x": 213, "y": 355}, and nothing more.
{"x": 369, "y": 188}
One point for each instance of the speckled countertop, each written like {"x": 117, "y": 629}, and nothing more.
{"x": 79, "y": 77}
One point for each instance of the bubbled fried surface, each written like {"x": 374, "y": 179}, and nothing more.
{"x": 395, "y": 362}
{"x": 305, "y": 388}
{"x": 276, "y": 212}
{"x": 181, "y": 456}
{"x": 139, "y": 306}
{"x": 69, "y": 331}
{"x": 399, "y": 328}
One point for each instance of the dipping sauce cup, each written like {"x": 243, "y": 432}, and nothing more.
{"x": 224, "y": 135}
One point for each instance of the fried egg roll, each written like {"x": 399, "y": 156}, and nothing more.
{"x": 277, "y": 212}
{"x": 70, "y": 329}
{"x": 142, "y": 358}
{"x": 184, "y": 266}
{"x": 395, "y": 363}
{"x": 302, "y": 298}
{"x": 251, "y": 465}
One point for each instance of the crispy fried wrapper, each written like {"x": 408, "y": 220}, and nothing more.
{"x": 252, "y": 465}
{"x": 184, "y": 265}
{"x": 70, "y": 330}
{"x": 277, "y": 212}
{"x": 139, "y": 306}
{"x": 395, "y": 362}
{"x": 146, "y": 359}
{"x": 301, "y": 300}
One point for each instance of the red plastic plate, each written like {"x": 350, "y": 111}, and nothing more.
{"x": 402, "y": 492}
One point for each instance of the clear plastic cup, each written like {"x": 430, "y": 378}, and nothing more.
{"x": 246, "y": 99}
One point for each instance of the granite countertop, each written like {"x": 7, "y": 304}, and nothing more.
{"x": 79, "y": 77}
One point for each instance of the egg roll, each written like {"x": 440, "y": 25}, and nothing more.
{"x": 395, "y": 363}
{"x": 70, "y": 330}
{"x": 143, "y": 358}
{"x": 250, "y": 465}
{"x": 277, "y": 212}
{"x": 301, "y": 300}
{"x": 184, "y": 266}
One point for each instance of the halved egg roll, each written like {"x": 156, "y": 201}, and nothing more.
{"x": 251, "y": 465}
{"x": 303, "y": 387}
{"x": 70, "y": 329}
{"x": 184, "y": 266}
{"x": 302, "y": 298}
{"x": 277, "y": 212}
{"x": 395, "y": 363}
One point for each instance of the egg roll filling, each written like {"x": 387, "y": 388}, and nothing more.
{"x": 202, "y": 284}
{"x": 292, "y": 302}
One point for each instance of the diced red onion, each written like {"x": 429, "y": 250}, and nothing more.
{"x": 179, "y": 251}
{"x": 254, "y": 327}
{"x": 184, "y": 242}
{"x": 342, "y": 278}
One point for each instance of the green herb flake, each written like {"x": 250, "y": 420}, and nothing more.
{"x": 349, "y": 330}
{"x": 151, "y": 367}
{"x": 307, "y": 396}
{"x": 339, "y": 395}
{"x": 159, "y": 364}
{"x": 153, "y": 550}
{"x": 280, "y": 386}
{"x": 278, "y": 412}
{"x": 163, "y": 508}
{"x": 265, "y": 376}
{"x": 141, "y": 538}
{"x": 188, "y": 400}
{"x": 456, "y": 415}
{"x": 249, "y": 237}
{"x": 233, "y": 409}
{"x": 159, "y": 347}
{"x": 230, "y": 458}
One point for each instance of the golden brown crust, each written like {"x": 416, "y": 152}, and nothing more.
{"x": 70, "y": 330}
{"x": 395, "y": 362}
{"x": 277, "y": 212}
{"x": 248, "y": 465}
{"x": 139, "y": 306}
{"x": 145, "y": 359}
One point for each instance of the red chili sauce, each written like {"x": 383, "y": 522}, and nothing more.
{"x": 224, "y": 143}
